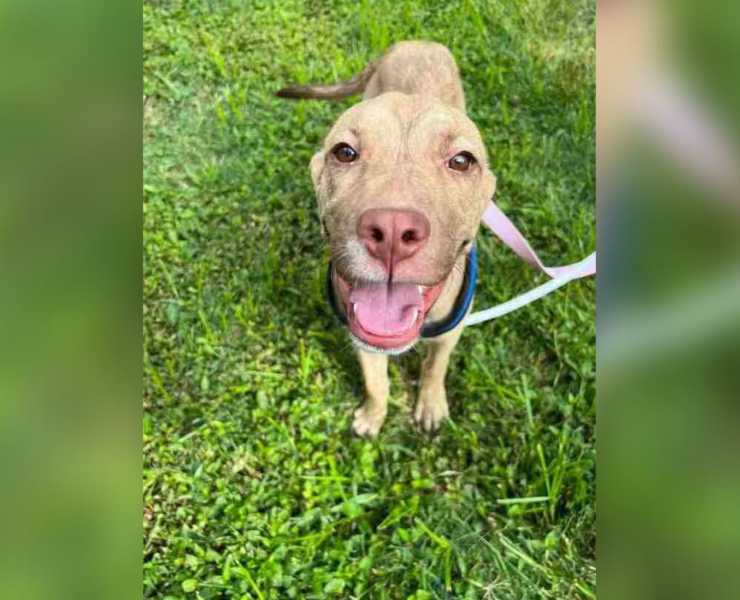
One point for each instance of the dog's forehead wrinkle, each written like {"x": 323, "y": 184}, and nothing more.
{"x": 410, "y": 124}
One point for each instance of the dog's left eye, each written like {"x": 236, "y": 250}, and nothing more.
{"x": 461, "y": 161}
{"x": 344, "y": 153}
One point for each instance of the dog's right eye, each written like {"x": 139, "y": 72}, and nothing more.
{"x": 344, "y": 153}
{"x": 461, "y": 161}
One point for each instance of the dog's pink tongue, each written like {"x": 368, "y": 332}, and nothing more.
{"x": 386, "y": 310}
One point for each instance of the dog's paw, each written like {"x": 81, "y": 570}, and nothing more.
{"x": 431, "y": 409}
{"x": 367, "y": 423}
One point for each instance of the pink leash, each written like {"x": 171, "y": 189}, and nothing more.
{"x": 507, "y": 232}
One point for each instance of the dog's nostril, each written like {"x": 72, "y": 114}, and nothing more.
{"x": 377, "y": 234}
{"x": 408, "y": 236}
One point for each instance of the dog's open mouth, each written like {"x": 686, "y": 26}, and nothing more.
{"x": 387, "y": 315}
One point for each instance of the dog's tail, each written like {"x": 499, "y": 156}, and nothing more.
{"x": 333, "y": 91}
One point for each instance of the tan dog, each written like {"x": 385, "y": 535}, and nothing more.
{"x": 401, "y": 183}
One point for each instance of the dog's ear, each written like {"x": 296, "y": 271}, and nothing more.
{"x": 317, "y": 166}
{"x": 489, "y": 186}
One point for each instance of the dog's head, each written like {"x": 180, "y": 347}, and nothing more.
{"x": 401, "y": 183}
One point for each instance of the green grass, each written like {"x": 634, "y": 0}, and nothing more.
{"x": 253, "y": 485}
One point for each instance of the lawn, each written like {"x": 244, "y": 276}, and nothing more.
{"x": 253, "y": 485}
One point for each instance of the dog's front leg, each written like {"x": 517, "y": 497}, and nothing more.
{"x": 431, "y": 406}
{"x": 370, "y": 416}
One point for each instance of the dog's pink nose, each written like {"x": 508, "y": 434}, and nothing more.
{"x": 392, "y": 235}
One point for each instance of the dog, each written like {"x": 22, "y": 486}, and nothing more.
{"x": 401, "y": 182}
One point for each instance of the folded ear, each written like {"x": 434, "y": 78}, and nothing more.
{"x": 317, "y": 166}
{"x": 489, "y": 186}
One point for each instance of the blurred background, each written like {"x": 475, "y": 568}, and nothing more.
{"x": 70, "y": 299}
{"x": 668, "y": 294}
{"x": 668, "y": 283}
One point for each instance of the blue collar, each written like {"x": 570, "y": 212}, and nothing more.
{"x": 459, "y": 310}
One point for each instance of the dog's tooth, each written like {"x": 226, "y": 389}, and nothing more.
{"x": 420, "y": 288}
{"x": 416, "y": 314}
